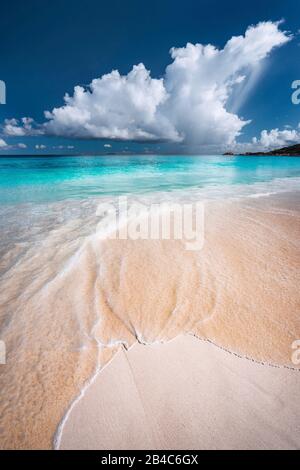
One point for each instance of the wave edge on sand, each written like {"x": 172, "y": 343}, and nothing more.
{"x": 239, "y": 292}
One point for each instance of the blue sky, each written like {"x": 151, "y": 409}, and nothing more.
{"x": 49, "y": 47}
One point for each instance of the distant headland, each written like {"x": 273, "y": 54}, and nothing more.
{"x": 291, "y": 151}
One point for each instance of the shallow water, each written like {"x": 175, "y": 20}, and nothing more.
{"x": 45, "y": 179}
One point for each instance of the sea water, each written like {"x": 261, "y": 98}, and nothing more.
{"x": 48, "y": 179}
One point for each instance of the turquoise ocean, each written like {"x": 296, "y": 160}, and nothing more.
{"x": 49, "y": 179}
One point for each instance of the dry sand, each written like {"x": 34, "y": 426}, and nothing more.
{"x": 186, "y": 394}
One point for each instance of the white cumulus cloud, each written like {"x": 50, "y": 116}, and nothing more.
{"x": 276, "y": 138}
{"x": 189, "y": 104}
{"x": 5, "y": 146}
{"x": 115, "y": 107}
{"x": 26, "y": 126}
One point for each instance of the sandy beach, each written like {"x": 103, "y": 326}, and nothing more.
{"x": 72, "y": 301}
{"x": 186, "y": 394}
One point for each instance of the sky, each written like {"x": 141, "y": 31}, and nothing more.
{"x": 199, "y": 76}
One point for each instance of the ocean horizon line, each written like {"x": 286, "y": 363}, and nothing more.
{"x": 121, "y": 154}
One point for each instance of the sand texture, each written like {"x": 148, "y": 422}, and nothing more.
{"x": 69, "y": 300}
{"x": 186, "y": 394}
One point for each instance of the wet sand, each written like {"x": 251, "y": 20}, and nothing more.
{"x": 70, "y": 301}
